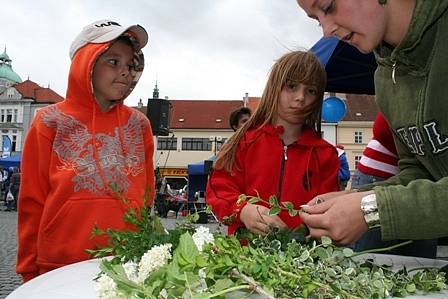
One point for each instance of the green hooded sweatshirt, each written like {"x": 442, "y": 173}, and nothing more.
{"x": 411, "y": 85}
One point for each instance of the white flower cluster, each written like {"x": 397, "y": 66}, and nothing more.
{"x": 131, "y": 270}
{"x": 106, "y": 288}
{"x": 202, "y": 236}
{"x": 155, "y": 258}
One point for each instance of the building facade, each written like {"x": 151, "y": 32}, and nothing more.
{"x": 19, "y": 101}
{"x": 199, "y": 128}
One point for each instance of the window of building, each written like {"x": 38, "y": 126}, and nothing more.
{"x": 2, "y": 115}
{"x": 13, "y": 143}
{"x": 8, "y": 115}
{"x": 16, "y": 113}
{"x": 358, "y": 137}
{"x": 166, "y": 143}
{"x": 357, "y": 159}
{"x": 196, "y": 144}
{"x": 219, "y": 144}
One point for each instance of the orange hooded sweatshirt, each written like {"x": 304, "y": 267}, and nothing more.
{"x": 73, "y": 152}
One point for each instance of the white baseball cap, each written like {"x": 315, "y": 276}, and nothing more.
{"x": 107, "y": 30}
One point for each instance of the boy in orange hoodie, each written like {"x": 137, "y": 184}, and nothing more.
{"x": 76, "y": 150}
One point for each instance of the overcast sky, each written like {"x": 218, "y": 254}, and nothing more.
{"x": 198, "y": 49}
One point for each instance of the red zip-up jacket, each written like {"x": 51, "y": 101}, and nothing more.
{"x": 295, "y": 173}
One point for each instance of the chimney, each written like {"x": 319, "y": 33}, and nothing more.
{"x": 245, "y": 99}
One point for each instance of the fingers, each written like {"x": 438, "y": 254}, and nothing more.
{"x": 257, "y": 219}
{"x": 313, "y": 221}
{"x": 326, "y": 196}
{"x": 316, "y": 208}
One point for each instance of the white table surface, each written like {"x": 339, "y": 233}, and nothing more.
{"x": 76, "y": 280}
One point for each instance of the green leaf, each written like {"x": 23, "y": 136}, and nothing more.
{"x": 304, "y": 256}
{"x": 326, "y": 240}
{"x": 201, "y": 262}
{"x": 288, "y": 205}
{"x": 308, "y": 289}
{"x": 411, "y": 288}
{"x": 348, "y": 252}
{"x": 274, "y": 211}
{"x": 256, "y": 268}
{"x": 242, "y": 198}
{"x": 293, "y": 213}
{"x": 186, "y": 252}
{"x": 273, "y": 201}
{"x": 253, "y": 200}
{"x": 222, "y": 284}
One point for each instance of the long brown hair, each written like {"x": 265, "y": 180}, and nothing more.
{"x": 299, "y": 66}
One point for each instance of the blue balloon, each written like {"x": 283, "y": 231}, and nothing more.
{"x": 333, "y": 109}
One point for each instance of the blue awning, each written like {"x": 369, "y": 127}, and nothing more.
{"x": 348, "y": 70}
{"x": 11, "y": 161}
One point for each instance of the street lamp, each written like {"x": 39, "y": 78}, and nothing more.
{"x": 215, "y": 140}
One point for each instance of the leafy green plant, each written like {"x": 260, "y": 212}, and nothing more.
{"x": 282, "y": 264}
{"x": 275, "y": 206}
{"x": 132, "y": 244}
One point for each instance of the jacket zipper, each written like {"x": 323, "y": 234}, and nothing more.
{"x": 394, "y": 66}
{"x": 282, "y": 172}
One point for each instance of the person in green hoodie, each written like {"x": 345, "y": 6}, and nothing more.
{"x": 410, "y": 41}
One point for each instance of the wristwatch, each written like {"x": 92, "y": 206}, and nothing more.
{"x": 369, "y": 210}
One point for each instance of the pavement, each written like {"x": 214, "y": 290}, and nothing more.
{"x": 9, "y": 280}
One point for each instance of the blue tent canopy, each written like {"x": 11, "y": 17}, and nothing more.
{"x": 11, "y": 161}
{"x": 197, "y": 177}
{"x": 348, "y": 70}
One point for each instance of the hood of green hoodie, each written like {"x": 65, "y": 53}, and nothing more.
{"x": 425, "y": 14}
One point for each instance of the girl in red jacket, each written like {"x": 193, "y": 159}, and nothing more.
{"x": 279, "y": 151}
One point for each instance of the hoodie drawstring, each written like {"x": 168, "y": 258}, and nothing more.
{"x": 95, "y": 152}
{"x": 120, "y": 133}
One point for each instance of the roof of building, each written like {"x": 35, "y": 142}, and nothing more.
{"x": 31, "y": 90}
{"x": 200, "y": 114}
{"x": 360, "y": 108}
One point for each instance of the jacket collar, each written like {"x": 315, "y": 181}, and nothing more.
{"x": 309, "y": 137}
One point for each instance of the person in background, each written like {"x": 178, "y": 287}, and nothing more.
{"x": 7, "y": 172}
{"x": 238, "y": 117}
{"x": 344, "y": 169}
{"x": 83, "y": 154}
{"x": 14, "y": 185}
{"x": 409, "y": 38}
{"x": 278, "y": 152}
{"x": 379, "y": 161}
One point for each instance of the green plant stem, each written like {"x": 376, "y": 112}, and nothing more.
{"x": 188, "y": 284}
{"x": 422, "y": 268}
{"x": 381, "y": 249}
{"x": 252, "y": 284}
{"x": 235, "y": 288}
